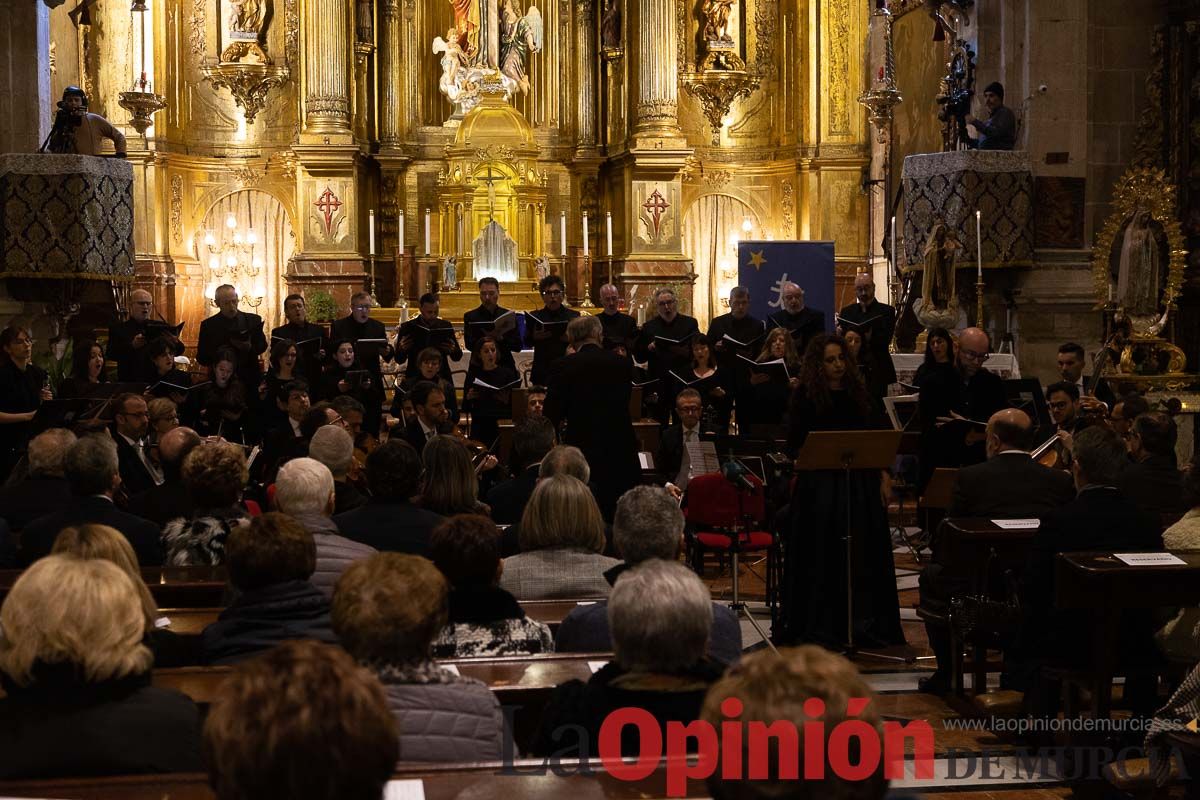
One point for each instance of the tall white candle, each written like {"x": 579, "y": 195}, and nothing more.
{"x": 895, "y": 255}
{"x": 562, "y": 230}
{"x": 978, "y": 247}
{"x": 641, "y": 315}
{"x": 608, "y": 228}
{"x": 426, "y": 231}
{"x": 400, "y": 239}
{"x": 371, "y": 231}
{"x": 585, "y": 236}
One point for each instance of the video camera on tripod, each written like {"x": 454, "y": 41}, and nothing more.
{"x": 66, "y": 120}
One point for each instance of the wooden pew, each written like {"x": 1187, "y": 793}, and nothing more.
{"x": 1105, "y": 586}
{"x": 171, "y": 587}
{"x": 438, "y": 781}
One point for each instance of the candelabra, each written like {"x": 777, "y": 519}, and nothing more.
{"x": 587, "y": 283}
{"x": 234, "y": 261}
{"x": 140, "y": 102}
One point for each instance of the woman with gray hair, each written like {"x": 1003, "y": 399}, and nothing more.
{"x": 660, "y": 613}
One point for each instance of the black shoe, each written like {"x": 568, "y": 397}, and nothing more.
{"x": 937, "y": 683}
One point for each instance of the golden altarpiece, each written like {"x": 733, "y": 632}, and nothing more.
{"x": 291, "y": 125}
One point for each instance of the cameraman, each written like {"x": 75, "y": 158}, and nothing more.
{"x": 999, "y": 132}
{"x": 79, "y": 132}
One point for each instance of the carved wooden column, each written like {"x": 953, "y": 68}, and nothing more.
{"x": 389, "y": 62}
{"x": 327, "y": 66}
{"x": 585, "y": 68}
{"x": 657, "y": 68}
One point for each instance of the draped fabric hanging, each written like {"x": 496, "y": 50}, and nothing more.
{"x": 707, "y": 227}
{"x": 276, "y": 243}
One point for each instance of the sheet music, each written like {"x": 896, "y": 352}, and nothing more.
{"x": 1150, "y": 559}
{"x": 703, "y": 458}
{"x": 404, "y": 790}
{"x": 1017, "y": 524}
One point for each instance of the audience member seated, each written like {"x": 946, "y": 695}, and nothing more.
{"x": 660, "y": 613}
{"x": 648, "y": 524}
{"x": 93, "y": 474}
{"x": 303, "y": 722}
{"x": 1009, "y": 485}
{"x": 1100, "y": 518}
{"x": 387, "y": 610}
{"x": 333, "y": 447}
{"x": 562, "y": 539}
{"x": 485, "y": 620}
{"x": 532, "y": 438}
{"x": 101, "y": 541}
{"x": 562, "y": 459}
{"x": 270, "y": 563}
{"x": 215, "y": 474}
{"x": 390, "y": 521}
{"x": 172, "y": 498}
{"x": 130, "y": 425}
{"x": 1153, "y": 480}
{"x": 304, "y": 491}
{"x": 775, "y": 687}
{"x": 450, "y": 486}
{"x": 351, "y": 411}
{"x": 1185, "y": 534}
{"x": 77, "y": 677}
{"x": 44, "y": 487}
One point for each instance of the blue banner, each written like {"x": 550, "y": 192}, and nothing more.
{"x": 763, "y": 268}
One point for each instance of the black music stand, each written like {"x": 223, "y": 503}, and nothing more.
{"x": 848, "y": 451}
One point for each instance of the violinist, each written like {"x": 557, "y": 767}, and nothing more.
{"x": 430, "y": 417}
{"x": 1065, "y": 406}
{"x": 488, "y": 390}
{"x": 1070, "y": 368}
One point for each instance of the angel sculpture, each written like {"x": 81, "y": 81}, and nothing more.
{"x": 519, "y": 38}
{"x": 450, "y": 274}
{"x": 541, "y": 267}
{"x": 454, "y": 66}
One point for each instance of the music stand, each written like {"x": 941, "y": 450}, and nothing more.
{"x": 848, "y": 451}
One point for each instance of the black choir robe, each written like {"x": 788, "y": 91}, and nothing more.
{"x": 482, "y": 321}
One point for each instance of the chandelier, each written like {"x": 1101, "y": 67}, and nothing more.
{"x": 233, "y": 260}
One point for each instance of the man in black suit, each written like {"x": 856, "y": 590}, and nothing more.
{"x": 43, "y": 489}
{"x": 546, "y": 329}
{"x": 239, "y": 331}
{"x": 91, "y": 468}
{"x": 309, "y": 338}
{"x": 620, "y": 330}
{"x": 590, "y": 395}
{"x": 1153, "y": 481}
{"x": 1071, "y": 361}
{"x": 430, "y": 416}
{"x": 163, "y": 503}
{"x": 1063, "y": 401}
{"x": 483, "y": 321}
{"x": 359, "y": 326}
{"x": 745, "y": 338}
{"x": 1009, "y": 485}
{"x": 128, "y": 341}
{"x": 803, "y": 322}
{"x": 665, "y": 344}
{"x": 130, "y": 423}
{"x": 1100, "y": 518}
{"x": 427, "y": 330}
{"x": 877, "y": 322}
{"x": 968, "y": 392}
{"x": 672, "y": 447}
{"x": 532, "y": 438}
{"x": 389, "y": 521}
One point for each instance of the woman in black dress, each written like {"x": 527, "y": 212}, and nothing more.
{"x": 771, "y": 391}
{"x": 707, "y": 379}
{"x": 169, "y": 380}
{"x": 219, "y": 407}
{"x": 832, "y": 397}
{"x": 346, "y": 376}
{"x": 23, "y": 387}
{"x": 488, "y": 405}
{"x": 87, "y": 372}
{"x": 939, "y": 354}
{"x": 272, "y": 392}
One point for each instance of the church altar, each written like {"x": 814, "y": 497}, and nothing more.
{"x": 949, "y": 187}
{"x": 66, "y": 216}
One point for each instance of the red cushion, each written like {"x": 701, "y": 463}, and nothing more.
{"x": 755, "y": 540}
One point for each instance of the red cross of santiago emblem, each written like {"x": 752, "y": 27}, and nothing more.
{"x": 328, "y": 204}
{"x": 655, "y": 206}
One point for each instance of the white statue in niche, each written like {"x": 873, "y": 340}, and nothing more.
{"x": 450, "y": 274}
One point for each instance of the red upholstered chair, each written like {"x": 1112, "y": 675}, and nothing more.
{"x": 713, "y": 511}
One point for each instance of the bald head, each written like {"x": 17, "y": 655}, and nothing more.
{"x": 174, "y": 447}
{"x": 864, "y": 288}
{"x": 1008, "y": 430}
{"x": 141, "y": 304}
{"x": 973, "y": 346}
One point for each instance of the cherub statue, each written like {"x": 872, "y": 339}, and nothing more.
{"x": 450, "y": 273}
{"x": 454, "y": 65}
{"x": 716, "y": 20}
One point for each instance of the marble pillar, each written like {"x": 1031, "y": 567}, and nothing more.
{"x": 585, "y": 70}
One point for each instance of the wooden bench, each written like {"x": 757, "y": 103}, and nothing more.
{"x": 171, "y": 587}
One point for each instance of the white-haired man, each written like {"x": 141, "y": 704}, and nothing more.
{"x": 44, "y": 488}
{"x": 333, "y": 447}
{"x": 304, "y": 491}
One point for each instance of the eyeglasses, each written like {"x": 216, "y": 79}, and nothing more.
{"x": 974, "y": 356}
{"x": 553, "y": 292}
{"x": 362, "y": 308}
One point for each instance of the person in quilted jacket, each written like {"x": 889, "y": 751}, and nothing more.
{"x": 387, "y": 609}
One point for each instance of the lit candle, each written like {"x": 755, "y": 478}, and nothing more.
{"x": 371, "y": 231}
{"x": 585, "y": 236}
{"x": 641, "y": 315}
{"x": 400, "y": 239}
{"x": 895, "y": 255}
{"x": 562, "y": 231}
{"x": 608, "y": 228}
{"x": 426, "y": 231}
{"x": 978, "y": 248}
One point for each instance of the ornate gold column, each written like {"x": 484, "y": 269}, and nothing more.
{"x": 657, "y": 68}
{"x": 389, "y": 92}
{"x": 327, "y": 66}
{"x": 411, "y": 60}
{"x": 585, "y": 68}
